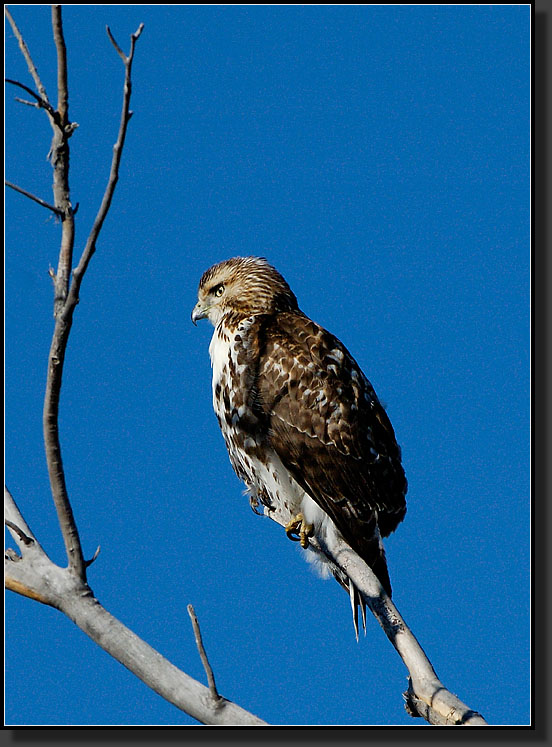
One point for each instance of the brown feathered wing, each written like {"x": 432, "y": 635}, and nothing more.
{"x": 330, "y": 431}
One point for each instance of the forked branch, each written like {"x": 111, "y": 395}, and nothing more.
{"x": 26, "y": 54}
{"x": 126, "y": 114}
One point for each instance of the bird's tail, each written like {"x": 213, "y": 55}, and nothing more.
{"x": 379, "y": 566}
{"x": 377, "y": 562}
{"x": 357, "y": 602}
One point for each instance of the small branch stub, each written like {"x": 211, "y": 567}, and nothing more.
{"x": 20, "y": 533}
{"x": 205, "y": 661}
{"x": 88, "y": 563}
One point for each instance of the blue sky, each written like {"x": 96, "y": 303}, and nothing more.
{"x": 378, "y": 156}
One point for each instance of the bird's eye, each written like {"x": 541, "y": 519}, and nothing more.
{"x": 218, "y": 290}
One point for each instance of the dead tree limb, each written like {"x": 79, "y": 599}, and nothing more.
{"x": 25, "y": 52}
{"x": 33, "y": 575}
{"x": 426, "y": 696}
{"x": 33, "y": 197}
{"x": 203, "y": 655}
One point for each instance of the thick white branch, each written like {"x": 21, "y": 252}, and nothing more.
{"x": 152, "y": 668}
{"x": 34, "y": 575}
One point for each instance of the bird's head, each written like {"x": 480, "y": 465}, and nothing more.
{"x": 242, "y": 286}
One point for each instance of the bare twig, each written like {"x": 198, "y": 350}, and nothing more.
{"x": 120, "y": 52}
{"x": 34, "y": 104}
{"x": 33, "y": 197}
{"x": 67, "y": 297}
{"x": 204, "y": 660}
{"x": 42, "y": 103}
{"x": 90, "y": 247}
{"x": 26, "y": 54}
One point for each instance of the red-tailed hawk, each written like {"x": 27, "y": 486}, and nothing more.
{"x": 301, "y": 422}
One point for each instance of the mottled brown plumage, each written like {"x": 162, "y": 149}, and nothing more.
{"x": 301, "y": 422}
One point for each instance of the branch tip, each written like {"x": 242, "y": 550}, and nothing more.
{"x": 11, "y": 555}
{"x": 34, "y": 104}
{"x": 120, "y": 52}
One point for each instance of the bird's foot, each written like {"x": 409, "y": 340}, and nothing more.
{"x": 299, "y": 531}
{"x": 255, "y": 503}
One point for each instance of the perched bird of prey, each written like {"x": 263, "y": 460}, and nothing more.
{"x": 301, "y": 422}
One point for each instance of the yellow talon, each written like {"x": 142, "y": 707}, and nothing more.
{"x": 299, "y": 531}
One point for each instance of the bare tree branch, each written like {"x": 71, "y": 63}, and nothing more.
{"x": 34, "y": 104}
{"x": 440, "y": 706}
{"x": 19, "y": 532}
{"x": 32, "y": 553}
{"x": 13, "y": 518}
{"x": 120, "y": 52}
{"x": 94, "y": 557}
{"x": 41, "y": 103}
{"x": 203, "y": 655}
{"x": 35, "y": 576}
{"x": 33, "y": 197}
{"x": 26, "y": 54}
{"x": 59, "y": 156}
{"x": 63, "y": 93}
{"x": 90, "y": 247}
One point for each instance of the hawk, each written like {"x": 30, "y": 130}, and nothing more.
{"x": 301, "y": 422}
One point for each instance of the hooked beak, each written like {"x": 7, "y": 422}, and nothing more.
{"x": 198, "y": 313}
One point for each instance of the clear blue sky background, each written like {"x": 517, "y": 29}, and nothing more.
{"x": 379, "y": 157}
